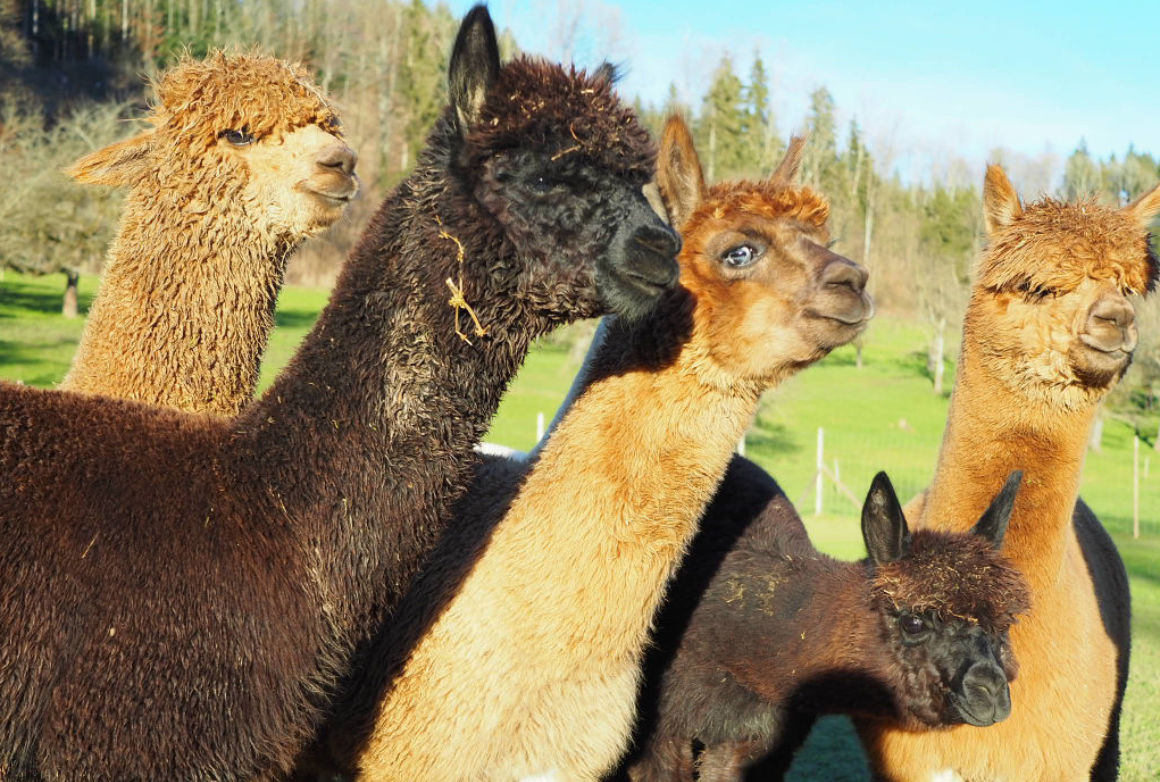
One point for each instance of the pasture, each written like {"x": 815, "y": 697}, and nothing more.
{"x": 880, "y": 416}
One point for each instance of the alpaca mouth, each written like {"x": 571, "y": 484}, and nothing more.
{"x": 338, "y": 199}
{"x": 980, "y": 715}
{"x": 855, "y": 314}
{"x": 1098, "y": 366}
{"x": 338, "y": 196}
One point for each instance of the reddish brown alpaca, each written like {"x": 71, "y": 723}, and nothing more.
{"x": 532, "y": 667}
{"x": 1048, "y": 332}
{"x": 244, "y": 162}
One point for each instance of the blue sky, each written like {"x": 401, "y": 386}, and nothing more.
{"x": 929, "y": 81}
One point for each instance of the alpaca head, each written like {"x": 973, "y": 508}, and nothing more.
{"x": 946, "y": 603}
{"x": 756, "y": 258}
{"x": 238, "y": 135}
{"x": 559, "y": 164}
{"x": 1051, "y": 311}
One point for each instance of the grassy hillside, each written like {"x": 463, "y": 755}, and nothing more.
{"x": 882, "y": 416}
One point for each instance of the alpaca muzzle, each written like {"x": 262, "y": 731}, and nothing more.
{"x": 644, "y": 265}
{"x": 984, "y": 697}
{"x": 841, "y": 294}
{"x": 1110, "y": 326}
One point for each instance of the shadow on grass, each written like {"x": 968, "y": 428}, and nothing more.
{"x": 18, "y": 299}
{"x": 772, "y": 438}
{"x": 295, "y": 319}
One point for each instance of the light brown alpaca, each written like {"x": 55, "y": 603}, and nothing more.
{"x": 244, "y": 161}
{"x": 1048, "y": 332}
{"x": 532, "y": 667}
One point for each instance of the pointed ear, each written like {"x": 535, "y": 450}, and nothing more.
{"x": 117, "y": 164}
{"x": 474, "y": 66}
{"x": 1000, "y": 203}
{"x": 606, "y": 73}
{"x": 884, "y": 527}
{"x": 679, "y": 176}
{"x": 1145, "y": 208}
{"x": 788, "y": 167}
{"x": 992, "y": 525}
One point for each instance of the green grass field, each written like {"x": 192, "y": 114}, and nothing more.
{"x": 882, "y": 416}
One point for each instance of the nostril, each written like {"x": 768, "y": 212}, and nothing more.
{"x": 341, "y": 157}
{"x": 660, "y": 241}
{"x": 1115, "y": 311}
{"x": 987, "y": 683}
{"x": 845, "y": 273}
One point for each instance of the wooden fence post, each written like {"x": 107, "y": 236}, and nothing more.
{"x": 1135, "y": 487}
{"x": 821, "y": 469}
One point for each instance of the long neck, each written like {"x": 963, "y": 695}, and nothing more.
{"x": 991, "y": 431}
{"x": 185, "y": 307}
{"x": 368, "y": 434}
{"x": 617, "y": 491}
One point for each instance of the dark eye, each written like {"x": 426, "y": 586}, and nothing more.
{"x": 542, "y": 184}
{"x": 740, "y": 256}
{"x": 239, "y": 138}
{"x": 911, "y": 624}
{"x": 1035, "y": 292}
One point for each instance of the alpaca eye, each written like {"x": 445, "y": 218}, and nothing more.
{"x": 740, "y": 256}
{"x": 239, "y": 138}
{"x": 911, "y": 624}
{"x": 542, "y": 184}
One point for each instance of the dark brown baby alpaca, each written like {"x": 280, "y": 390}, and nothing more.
{"x": 180, "y": 594}
{"x": 761, "y": 632}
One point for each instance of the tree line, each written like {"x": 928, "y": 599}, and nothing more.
{"x": 70, "y": 81}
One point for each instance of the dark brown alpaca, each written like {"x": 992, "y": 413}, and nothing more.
{"x": 761, "y": 632}
{"x": 180, "y": 593}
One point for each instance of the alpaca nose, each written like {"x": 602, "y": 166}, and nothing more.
{"x": 651, "y": 251}
{"x": 1111, "y": 325}
{"x": 339, "y": 156}
{"x": 841, "y": 272}
{"x": 986, "y": 696}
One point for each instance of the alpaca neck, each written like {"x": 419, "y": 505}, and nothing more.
{"x": 369, "y": 432}
{"x": 182, "y": 317}
{"x": 645, "y": 445}
{"x": 993, "y": 430}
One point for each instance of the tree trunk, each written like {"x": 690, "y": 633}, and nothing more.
{"x": 858, "y": 353}
{"x": 69, "y": 307}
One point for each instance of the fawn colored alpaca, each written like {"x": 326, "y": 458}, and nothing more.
{"x": 760, "y": 632}
{"x": 1048, "y": 332}
{"x": 531, "y": 666}
{"x": 244, "y": 161}
{"x": 182, "y": 592}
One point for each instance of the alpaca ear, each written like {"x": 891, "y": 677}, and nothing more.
{"x": 1000, "y": 202}
{"x": 992, "y": 525}
{"x": 117, "y": 164}
{"x": 607, "y": 73}
{"x": 790, "y": 163}
{"x": 884, "y": 528}
{"x": 1145, "y": 208}
{"x": 679, "y": 177}
{"x": 474, "y": 66}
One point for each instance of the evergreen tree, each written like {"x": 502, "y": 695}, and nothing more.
{"x": 1081, "y": 178}
{"x": 820, "y": 158}
{"x": 763, "y": 148}
{"x": 721, "y": 129}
